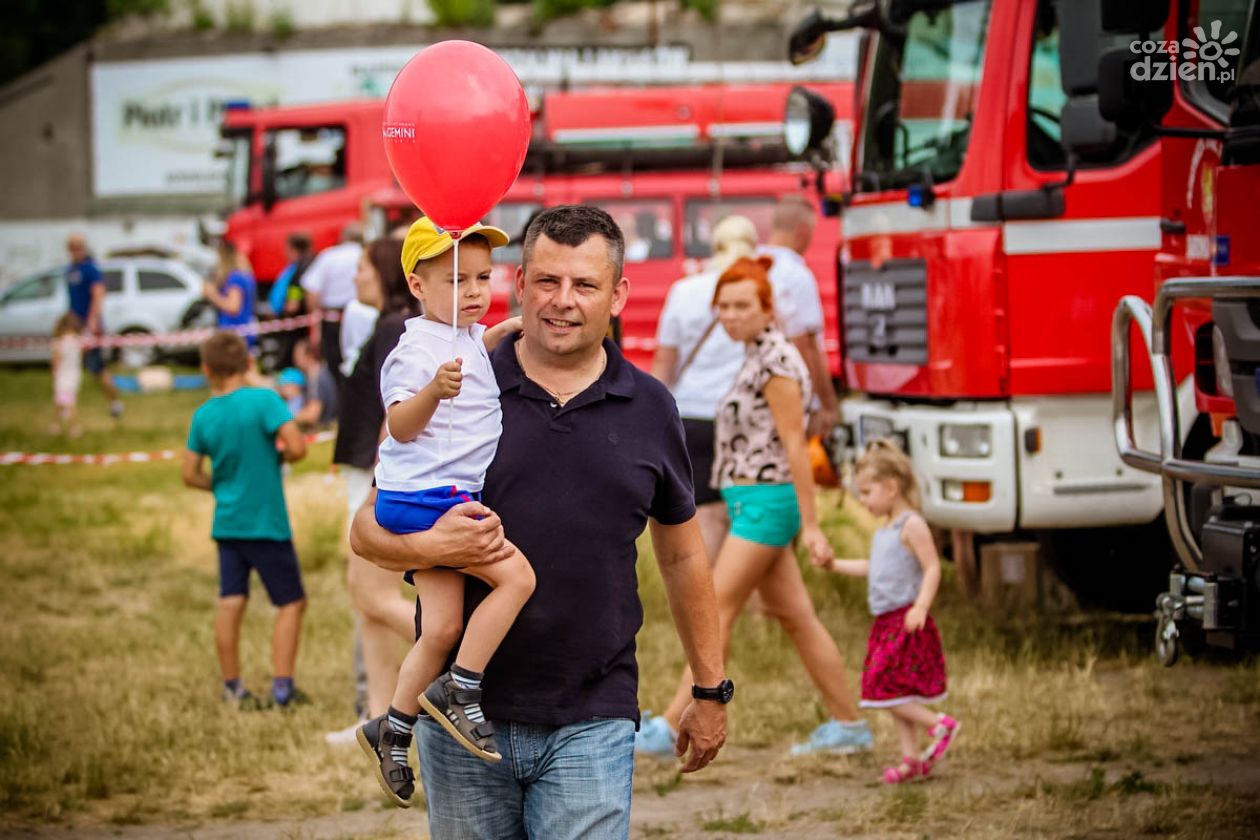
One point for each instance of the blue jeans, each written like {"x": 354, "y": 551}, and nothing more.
{"x": 554, "y": 783}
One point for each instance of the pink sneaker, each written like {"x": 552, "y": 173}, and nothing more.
{"x": 910, "y": 768}
{"x": 943, "y": 735}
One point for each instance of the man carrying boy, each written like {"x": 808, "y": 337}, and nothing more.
{"x": 591, "y": 452}
{"x": 246, "y": 432}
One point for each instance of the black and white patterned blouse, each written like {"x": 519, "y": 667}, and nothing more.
{"x": 748, "y": 445}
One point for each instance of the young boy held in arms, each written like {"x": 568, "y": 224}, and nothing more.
{"x": 443, "y": 421}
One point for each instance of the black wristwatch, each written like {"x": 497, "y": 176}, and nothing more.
{"x": 720, "y": 693}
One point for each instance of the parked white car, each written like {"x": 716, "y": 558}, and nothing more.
{"x": 150, "y": 295}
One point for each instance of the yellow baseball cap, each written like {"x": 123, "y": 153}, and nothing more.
{"x": 426, "y": 240}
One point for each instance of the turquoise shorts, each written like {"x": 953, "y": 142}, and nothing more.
{"x": 766, "y": 514}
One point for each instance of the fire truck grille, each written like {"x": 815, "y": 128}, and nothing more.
{"x": 885, "y": 312}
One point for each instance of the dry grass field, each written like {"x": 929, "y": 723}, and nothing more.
{"x": 111, "y": 725}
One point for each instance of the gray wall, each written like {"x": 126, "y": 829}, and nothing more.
{"x": 45, "y": 123}
{"x": 45, "y": 140}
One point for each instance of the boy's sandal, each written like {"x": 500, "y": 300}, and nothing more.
{"x": 450, "y": 705}
{"x": 398, "y": 781}
{"x": 910, "y": 768}
{"x": 943, "y": 735}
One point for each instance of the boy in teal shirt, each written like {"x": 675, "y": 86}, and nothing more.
{"x": 246, "y": 433}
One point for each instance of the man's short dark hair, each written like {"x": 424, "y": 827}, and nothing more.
{"x": 300, "y": 241}
{"x": 571, "y": 225}
{"x": 225, "y": 354}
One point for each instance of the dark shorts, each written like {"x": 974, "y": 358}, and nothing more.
{"x": 277, "y": 565}
{"x": 699, "y": 435}
{"x": 94, "y": 361}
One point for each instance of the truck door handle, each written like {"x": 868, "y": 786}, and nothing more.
{"x": 1172, "y": 227}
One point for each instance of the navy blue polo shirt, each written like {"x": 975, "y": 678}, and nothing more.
{"x": 81, "y": 278}
{"x": 574, "y": 486}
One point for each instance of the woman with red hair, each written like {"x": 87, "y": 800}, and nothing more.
{"x": 761, "y": 464}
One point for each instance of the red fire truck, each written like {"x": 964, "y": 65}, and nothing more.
{"x": 1201, "y": 84}
{"x": 994, "y": 220}
{"x": 666, "y": 162}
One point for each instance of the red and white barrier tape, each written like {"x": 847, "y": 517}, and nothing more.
{"x": 183, "y": 338}
{"x": 35, "y": 458}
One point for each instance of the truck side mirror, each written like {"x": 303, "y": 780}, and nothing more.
{"x": 1084, "y": 129}
{"x": 807, "y": 121}
{"x": 1079, "y": 22}
{"x": 1134, "y": 89}
{"x": 1126, "y": 16}
{"x": 808, "y": 37}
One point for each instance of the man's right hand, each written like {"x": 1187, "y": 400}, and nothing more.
{"x": 702, "y": 730}
{"x": 469, "y": 534}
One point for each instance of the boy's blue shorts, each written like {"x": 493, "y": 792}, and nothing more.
{"x": 767, "y": 514}
{"x": 276, "y": 562}
{"x": 406, "y": 512}
{"x": 94, "y": 360}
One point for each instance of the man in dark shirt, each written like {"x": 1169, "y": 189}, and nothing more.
{"x": 86, "y": 288}
{"x": 592, "y": 451}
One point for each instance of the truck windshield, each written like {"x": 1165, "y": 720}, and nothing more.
{"x": 920, "y": 96}
{"x": 237, "y": 153}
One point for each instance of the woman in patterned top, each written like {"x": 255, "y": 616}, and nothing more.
{"x": 762, "y": 467}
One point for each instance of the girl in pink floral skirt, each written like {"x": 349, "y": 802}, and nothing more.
{"x": 905, "y": 667}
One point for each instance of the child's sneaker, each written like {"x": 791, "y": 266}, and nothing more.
{"x": 654, "y": 737}
{"x": 838, "y": 738}
{"x": 297, "y": 697}
{"x": 397, "y": 780}
{"x": 910, "y": 768}
{"x": 243, "y": 699}
{"x": 455, "y": 708}
{"x": 943, "y": 735}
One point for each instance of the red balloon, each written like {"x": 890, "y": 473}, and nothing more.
{"x": 456, "y": 131}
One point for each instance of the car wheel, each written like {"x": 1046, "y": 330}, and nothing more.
{"x": 136, "y": 356}
{"x": 200, "y": 314}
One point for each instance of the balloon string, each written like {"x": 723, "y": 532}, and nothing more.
{"x": 450, "y": 414}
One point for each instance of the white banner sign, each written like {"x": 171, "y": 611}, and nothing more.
{"x": 155, "y": 124}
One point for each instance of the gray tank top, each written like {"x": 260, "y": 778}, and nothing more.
{"x": 895, "y": 575}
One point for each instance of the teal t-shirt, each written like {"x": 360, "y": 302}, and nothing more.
{"x": 237, "y": 432}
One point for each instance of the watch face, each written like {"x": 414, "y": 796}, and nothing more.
{"x": 722, "y": 692}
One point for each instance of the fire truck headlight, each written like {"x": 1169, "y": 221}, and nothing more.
{"x": 872, "y": 428}
{"x": 1220, "y": 361}
{"x": 807, "y": 121}
{"x": 969, "y": 440}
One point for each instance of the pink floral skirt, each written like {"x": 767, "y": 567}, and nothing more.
{"x": 902, "y": 667}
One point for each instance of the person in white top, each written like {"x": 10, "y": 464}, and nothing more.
{"x": 358, "y": 319}
{"x": 443, "y": 420}
{"x": 67, "y": 372}
{"x": 329, "y": 285}
{"x": 792, "y": 231}
{"x": 699, "y": 363}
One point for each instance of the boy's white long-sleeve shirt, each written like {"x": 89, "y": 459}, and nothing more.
{"x": 434, "y": 458}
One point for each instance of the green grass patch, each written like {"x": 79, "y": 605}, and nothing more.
{"x": 109, "y": 588}
{"x": 739, "y": 824}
